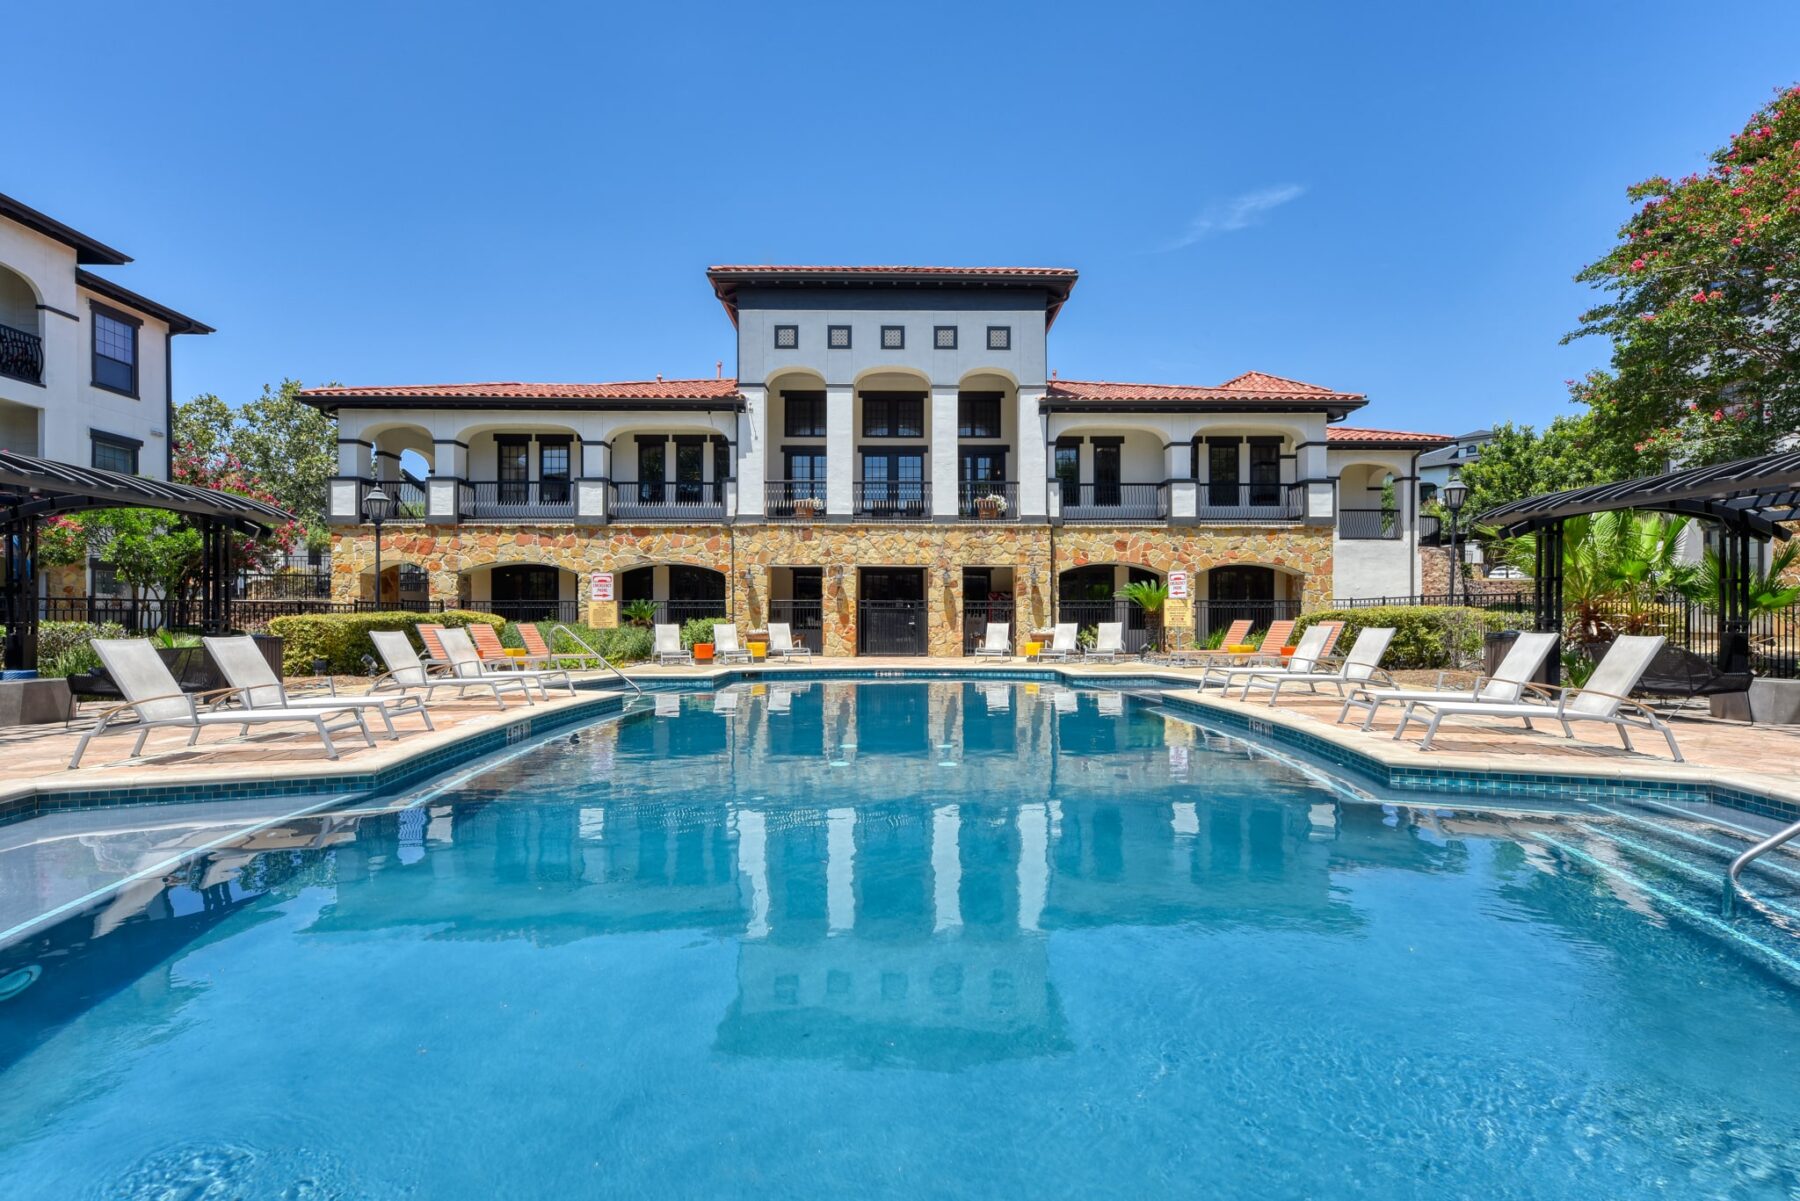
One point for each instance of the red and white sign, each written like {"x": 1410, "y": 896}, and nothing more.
{"x": 601, "y": 586}
{"x": 1178, "y": 585}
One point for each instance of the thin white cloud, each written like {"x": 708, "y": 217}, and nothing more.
{"x": 1239, "y": 212}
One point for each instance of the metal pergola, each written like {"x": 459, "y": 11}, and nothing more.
{"x": 1749, "y": 498}
{"x": 32, "y": 489}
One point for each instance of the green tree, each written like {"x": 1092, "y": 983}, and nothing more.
{"x": 1615, "y": 564}
{"x": 1703, "y": 320}
{"x": 290, "y": 447}
{"x": 1150, "y": 596}
{"x": 1522, "y": 462}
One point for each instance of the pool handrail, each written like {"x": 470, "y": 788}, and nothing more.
{"x": 1773, "y": 841}
{"x": 604, "y": 661}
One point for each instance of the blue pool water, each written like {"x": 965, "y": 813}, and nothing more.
{"x": 889, "y": 939}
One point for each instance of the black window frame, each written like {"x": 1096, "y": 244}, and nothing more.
{"x": 1005, "y": 332}
{"x": 966, "y": 402}
{"x": 810, "y": 486}
{"x": 554, "y": 486}
{"x": 512, "y": 454}
{"x": 1108, "y": 468}
{"x": 1067, "y": 453}
{"x": 899, "y": 332}
{"x": 97, "y": 312}
{"x": 792, "y": 330}
{"x": 831, "y": 333}
{"x": 655, "y": 449}
{"x": 937, "y": 337}
{"x": 815, "y": 404}
{"x": 131, "y": 446}
{"x": 894, "y": 424}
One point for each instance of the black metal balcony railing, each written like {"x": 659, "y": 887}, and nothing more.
{"x": 1251, "y": 502}
{"x": 794, "y": 500}
{"x": 1431, "y": 530}
{"x": 407, "y": 500}
{"x": 518, "y": 500}
{"x": 21, "y": 355}
{"x": 987, "y": 500}
{"x": 1112, "y": 502}
{"x": 667, "y": 501}
{"x": 1368, "y": 525}
{"x": 893, "y": 500}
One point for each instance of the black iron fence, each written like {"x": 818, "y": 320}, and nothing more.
{"x": 148, "y": 614}
{"x": 987, "y": 500}
{"x": 283, "y": 585}
{"x": 893, "y": 500}
{"x": 533, "y": 610}
{"x": 979, "y": 614}
{"x": 665, "y": 502}
{"x": 794, "y": 500}
{"x": 805, "y": 619}
{"x": 518, "y": 500}
{"x": 1519, "y": 600}
{"x": 1088, "y": 614}
{"x": 1251, "y": 502}
{"x": 1368, "y": 525}
{"x": 1104, "y": 503}
{"x": 1212, "y": 616}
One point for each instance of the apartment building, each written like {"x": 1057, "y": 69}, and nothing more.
{"x": 892, "y": 465}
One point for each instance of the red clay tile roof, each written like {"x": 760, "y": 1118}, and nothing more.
{"x": 726, "y": 278}
{"x": 1252, "y": 385}
{"x": 1354, "y": 435}
{"x": 669, "y": 389}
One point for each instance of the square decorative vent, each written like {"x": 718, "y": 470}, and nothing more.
{"x": 837, "y": 337}
{"x": 999, "y": 337}
{"x": 787, "y": 337}
{"x": 893, "y": 337}
{"x": 944, "y": 337}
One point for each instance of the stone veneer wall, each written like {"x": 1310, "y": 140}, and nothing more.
{"x": 746, "y": 553}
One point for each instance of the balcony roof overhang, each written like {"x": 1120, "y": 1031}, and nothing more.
{"x": 88, "y": 251}
{"x": 1335, "y": 411}
{"x": 1055, "y": 282}
{"x": 178, "y": 323}
{"x": 336, "y": 401}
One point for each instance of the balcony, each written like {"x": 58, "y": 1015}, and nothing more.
{"x": 662, "y": 502}
{"x": 1110, "y": 504}
{"x": 1369, "y": 525}
{"x": 1249, "y": 504}
{"x": 988, "y": 501}
{"x": 408, "y": 500}
{"x": 517, "y": 500}
{"x": 21, "y": 355}
{"x": 897, "y": 501}
{"x": 794, "y": 500}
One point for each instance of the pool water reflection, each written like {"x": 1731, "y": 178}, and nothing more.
{"x": 888, "y": 939}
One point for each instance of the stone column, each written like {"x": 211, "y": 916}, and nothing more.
{"x": 840, "y": 453}
{"x": 943, "y": 460}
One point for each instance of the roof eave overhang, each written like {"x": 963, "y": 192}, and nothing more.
{"x": 558, "y": 404}
{"x": 178, "y": 323}
{"x": 1333, "y": 411}
{"x": 726, "y": 284}
{"x": 88, "y": 251}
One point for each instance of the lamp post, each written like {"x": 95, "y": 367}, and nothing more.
{"x": 377, "y": 506}
{"x": 1455, "y": 495}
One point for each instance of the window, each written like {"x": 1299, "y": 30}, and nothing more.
{"x": 1068, "y": 470}
{"x": 1106, "y": 472}
{"x": 893, "y": 482}
{"x": 1265, "y": 471}
{"x": 984, "y": 466}
{"x": 893, "y": 337}
{"x": 805, "y": 473}
{"x": 113, "y": 453}
{"x": 886, "y": 415}
{"x": 805, "y": 414}
{"x": 690, "y": 470}
{"x": 999, "y": 337}
{"x": 115, "y": 351}
{"x": 553, "y": 472}
{"x": 837, "y": 337}
{"x": 978, "y": 415}
{"x": 651, "y": 456}
{"x": 944, "y": 337}
{"x": 721, "y": 469}
{"x": 513, "y": 457}
{"x": 1222, "y": 471}
{"x": 787, "y": 337}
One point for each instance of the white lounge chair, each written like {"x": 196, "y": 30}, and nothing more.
{"x": 997, "y": 642}
{"x": 668, "y": 646}
{"x": 245, "y": 669}
{"x": 1508, "y": 683}
{"x": 782, "y": 644}
{"x": 725, "y": 701}
{"x": 781, "y": 700}
{"x": 1360, "y": 666}
{"x": 1109, "y": 642}
{"x": 1605, "y": 697}
{"x": 466, "y": 664}
{"x": 406, "y": 672}
{"x": 998, "y": 697}
{"x": 157, "y": 701}
{"x": 725, "y": 644}
{"x": 1065, "y": 642}
{"x": 1304, "y": 659}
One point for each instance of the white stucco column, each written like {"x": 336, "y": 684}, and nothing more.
{"x": 450, "y": 464}
{"x": 946, "y": 467}
{"x": 1320, "y": 508}
{"x": 592, "y": 499}
{"x": 1033, "y": 468}
{"x": 343, "y": 501}
{"x": 840, "y": 450}
{"x": 1184, "y": 494}
{"x": 752, "y": 451}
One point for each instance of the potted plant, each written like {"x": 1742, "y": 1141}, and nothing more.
{"x": 639, "y": 613}
{"x": 806, "y": 508}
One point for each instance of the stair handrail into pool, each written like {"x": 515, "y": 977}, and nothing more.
{"x": 604, "y": 661}
{"x": 1772, "y": 842}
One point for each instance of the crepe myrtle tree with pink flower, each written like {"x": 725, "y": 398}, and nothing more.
{"x": 1702, "y": 317}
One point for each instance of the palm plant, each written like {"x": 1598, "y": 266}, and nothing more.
{"x": 1150, "y": 596}
{"x": 1614, "y": 567}
{"x": 639, "y": 612}
{"x": 1769, "y": 590}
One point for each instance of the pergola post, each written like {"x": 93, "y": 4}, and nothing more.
{"x": 1547, "y": 593}
{"x": 1733, "y": 610}
{"x": 20, "y": 597}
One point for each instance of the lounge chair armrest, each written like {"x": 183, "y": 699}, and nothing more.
{"x": 1379, "y": 675}
{"x": 107, "y": 713}
{"x": 1543, "y": 690}
{"x": 214, "y": 697}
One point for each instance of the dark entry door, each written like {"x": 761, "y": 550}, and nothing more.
{"x": 804, "y": 611}
{"x": 891, "y": 612}
{"x": 525, "y": 592}
{"x": 1237, "y": 593}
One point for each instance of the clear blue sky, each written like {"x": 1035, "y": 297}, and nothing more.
{"x": 1386, "y": 198}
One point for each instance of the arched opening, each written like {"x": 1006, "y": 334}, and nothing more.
{"x": 21, "y": 358}
{"x": 522, "y": 591}
{"x": 892, "y": 431}
{"x": 1369, "y": 503}
{"x": 402, "y": 586}
{"x": 679, "y": 591}
{"x": 1106, "y": 474}
{"x": 1089, "y": 595}
{"x": 1249, "y": 592}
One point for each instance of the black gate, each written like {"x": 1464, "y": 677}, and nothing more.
{"x": 805, "y": 620}
{"x": 977, "y": 614}
{"x": 891, "y": 627}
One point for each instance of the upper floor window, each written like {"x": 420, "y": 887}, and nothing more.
{"x": 787, "y": 337}
{"x": 893, "y": 337}
{"x": 887, "y": 416}
{"x": 114, "y": 453}
{"x": 115, "y": 351}
{"x": 943, "y": 337}
{"x": 837, "y": 337}
{"x": 805, "y": 416}
{"x": 999, "y": 337}
{"x": 978, "y": 415}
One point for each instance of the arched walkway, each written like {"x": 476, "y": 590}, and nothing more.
{"x": 1088, "y": 596}
{"x": 679, "y": 591}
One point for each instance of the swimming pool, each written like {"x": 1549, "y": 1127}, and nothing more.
{"x": 906, "y": 939}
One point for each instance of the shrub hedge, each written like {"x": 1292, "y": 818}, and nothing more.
{"x": 698, "y": 629}
{"x": 621, "y": 644}
{"x": 1425, "y": 636}
{"x": 342, "y": 639}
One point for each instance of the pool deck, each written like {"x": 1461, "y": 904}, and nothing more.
{"x": 1759, "y": 759}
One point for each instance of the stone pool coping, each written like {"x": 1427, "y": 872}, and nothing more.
{"x": 1399, "y": 767}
